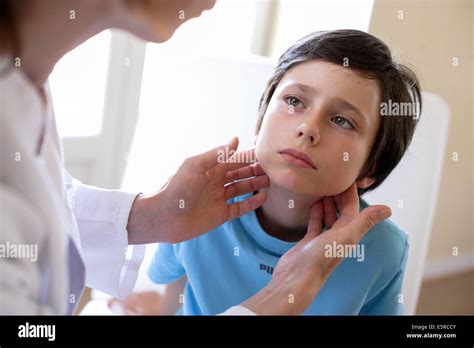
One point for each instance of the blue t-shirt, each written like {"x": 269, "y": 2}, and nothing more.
{"x": 235, "y": 260}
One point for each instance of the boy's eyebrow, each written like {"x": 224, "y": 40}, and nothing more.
{"x": 342, "y": 102}
{"x": 304, "y": 88}
{"x": 345, "y": 104}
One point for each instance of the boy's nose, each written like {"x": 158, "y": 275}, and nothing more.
{"x": 308, "y": 132}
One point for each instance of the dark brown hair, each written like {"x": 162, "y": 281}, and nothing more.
{"x": 8, "y": 37}
{"x": 372, "y": 59}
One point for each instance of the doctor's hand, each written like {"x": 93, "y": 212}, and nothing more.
{"x": 139, "y": 303}
{"x": 302, "y": 271}
{"x": 194, "y": 200}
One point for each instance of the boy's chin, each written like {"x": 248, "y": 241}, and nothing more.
{"x": 296, "y": 187}
{"x": 301, "y": 187}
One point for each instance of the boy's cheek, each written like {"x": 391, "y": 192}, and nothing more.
{"x": 258, "y": 146}
{"x": 266, "y": 140}
{"x": 260, "y": 151}
{"x": 267, "y": 155}
{"x": 342, "y": 174}
{"x": 263, "y": 157}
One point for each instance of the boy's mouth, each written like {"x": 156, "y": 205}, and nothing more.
{"x": 297, "y": 158}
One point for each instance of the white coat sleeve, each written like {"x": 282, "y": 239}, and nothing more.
{"x": 102, "y": 215}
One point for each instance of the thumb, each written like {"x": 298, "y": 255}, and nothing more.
{"x": 315, "y": 221}
{"x": 367, "y": 219}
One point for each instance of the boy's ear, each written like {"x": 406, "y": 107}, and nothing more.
{"x": 368, "y": 180}
{"x": 365, "y": 182}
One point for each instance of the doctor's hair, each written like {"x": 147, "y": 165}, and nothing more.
{"x": 370, "y": 58}
{"x": 8, "y": 36}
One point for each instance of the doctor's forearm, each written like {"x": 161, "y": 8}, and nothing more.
{"x": 139, "y": 225}
{"x": 151, "y": 220}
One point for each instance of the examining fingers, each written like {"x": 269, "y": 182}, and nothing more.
{"x": 243, "y": 173}
{"x": 246, "y": 186}
{"x": 209, "y": 159}
{"x": 315, "y": 221}
{"x": 246, "y": 206}
{"x": 365, "y": 221}
{"x": 236, "y": 160}
{"x": 349, "y": 203}
{"x": 330, "y": 212}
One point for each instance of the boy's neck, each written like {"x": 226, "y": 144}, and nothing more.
{"x": 285, "y": 215}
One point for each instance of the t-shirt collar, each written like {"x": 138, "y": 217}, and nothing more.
{"x": 253, "y": 227}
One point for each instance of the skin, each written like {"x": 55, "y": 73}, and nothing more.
{"x": 152, "y": 302}
{"x": 301, "y": 272}
{"x": 323, "y": 123}
{"x": 320, "y": 126}
{"x": 36, "y": 20}
{"x": 155, "y": 21}
{"x": 201, "y": 179}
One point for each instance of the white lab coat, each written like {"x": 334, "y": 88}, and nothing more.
{"x": 74, "y": 226}
{"x": 79, "y": 230}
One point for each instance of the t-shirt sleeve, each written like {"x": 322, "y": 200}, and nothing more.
{"x": 165, "y": 266}
{"x": 389, "y": 301}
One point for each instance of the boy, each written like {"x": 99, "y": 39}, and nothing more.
{"x": 320, "y": 130}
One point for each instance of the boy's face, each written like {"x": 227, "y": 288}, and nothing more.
{"x": 157, "y": 20}
{"x": 314, "y": 111}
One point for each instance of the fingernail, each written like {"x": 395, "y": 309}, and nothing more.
{"x": 230, "y": 142}
{"x": 385, "y": 213}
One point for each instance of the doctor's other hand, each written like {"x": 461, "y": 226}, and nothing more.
{"x": 194, "y": 200}
{"x": 139, "y": 303}
{"x": 301, "y": 272}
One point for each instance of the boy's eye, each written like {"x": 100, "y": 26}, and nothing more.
{"x": 294, "y": 101}
{"x": 342, "y": 122}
